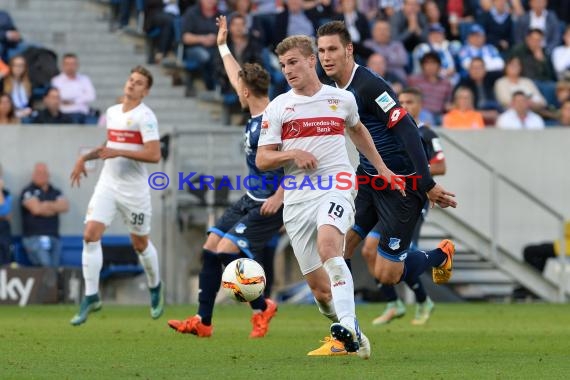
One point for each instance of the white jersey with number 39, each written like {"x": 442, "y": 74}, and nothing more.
{"x": 314, "y": 124}
{"x": 128, "y": 131}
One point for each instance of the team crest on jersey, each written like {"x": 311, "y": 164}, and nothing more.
{"x": 333, "y": 103}
{"x": 254, "y": 126}
{"x": 394, "y": 244}
{"x": 385, "y": 101}
{"x": 129, "y": 122}
{"x": 240, "y": 228}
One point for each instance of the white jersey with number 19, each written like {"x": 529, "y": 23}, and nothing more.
{"x": 314, "y": 124}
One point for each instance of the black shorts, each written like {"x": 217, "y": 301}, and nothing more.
{"x": 243, "y": 224}
{"x": 395, "y": 215}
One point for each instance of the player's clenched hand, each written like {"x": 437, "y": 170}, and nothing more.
{"x": 443, "y": 198}
{"x": 271, "y": 205}
{"x": 222, "y": 30}
{"x": 305, "y": 160}
{"x": 105, "y": 153}
{"x": 78, "y": 169}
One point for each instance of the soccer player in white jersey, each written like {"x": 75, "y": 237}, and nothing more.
{"x": 303, "y": 131}
{"x": 132, "y": 140}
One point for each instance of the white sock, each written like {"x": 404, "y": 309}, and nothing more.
{"x": 327, "y": 309}
{"x": 149, "y": 261}
{"x": 92, "y": 262}
{"x": 342, "y": 289}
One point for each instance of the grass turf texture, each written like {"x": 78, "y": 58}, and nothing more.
{"x": 468, "y": 341}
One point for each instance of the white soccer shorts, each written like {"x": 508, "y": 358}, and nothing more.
{"x": 302, "y": 221}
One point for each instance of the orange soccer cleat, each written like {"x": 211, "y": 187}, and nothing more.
{"x": 192, "y": 325}
{"x": 442, "y": 274}
{"x": 260, "y": 321}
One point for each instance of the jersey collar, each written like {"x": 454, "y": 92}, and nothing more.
{"x": 351, "y": 77}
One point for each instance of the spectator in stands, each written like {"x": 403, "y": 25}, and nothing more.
{"x": 7, "y": 114}
{"x": 369, "y": 8}
{"x": 536, "y": 63}
{"x": 10, "y": 38}
{"x": 161, "y": 14}
{"x": 75, "y": 89}
{"x": 51, "y": 113}
{"x": 377, "y": 63}
{"x": 561, "y": 56}
{"x": 438, "y": 90}
{"x": 409, "y": 25}
{"x": 5, "y": 230}
{"x": 17, "y": 84}
{"x": 41, "y": 205}
{"x": 462, "y": 115}
{"x": 357, "y": 25}
{"x": 564, "y": 116}
{"x": 393, "y": 50}
{"x": 4, "y": 70}
{"x": 512, "y": 82}
{"x": 539, "y": 18}
{"x": 437, "y": 42}
{"x": 499, "y": 25}
{"x": 296, "y": 18}
{"x": 243, "y": 8}
{"x": 388, "y": 8}
{"x": 476, "y": 46}
{"x": 199, "y": 32}
{"x": 458, "y": 12}
{"x": 125, "y": 8}
{"x": 432, "y": 12}
{"x": 481, "y": 85}
{"x": 519, "y": 116}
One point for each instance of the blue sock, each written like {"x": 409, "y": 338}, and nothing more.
{"x": 388, "y": 290}
{"x": 417, "y": 262}
{"x": 418, "y": 288}
{"x": 209, "y": 282}
{"x": 258, "y": 303}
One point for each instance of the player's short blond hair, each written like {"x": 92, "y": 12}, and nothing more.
{"x": 145, "y": 73}
{"x": 305, "y": 44}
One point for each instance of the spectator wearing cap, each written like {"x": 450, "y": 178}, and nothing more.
{"x": 394, "y": 51}
{"x": 409, "y": 24}
{"x": 476, "y": 46}
{"x": 437, "y": 89}
{"x": 498, "y": 23}
{"x": 437, "y": 42}
{"x": 519, "y": 115}
{"x": 538, "y": 17}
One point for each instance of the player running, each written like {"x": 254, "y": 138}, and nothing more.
{"x": 132, "y": 140}
{"x": 251, "y": 222}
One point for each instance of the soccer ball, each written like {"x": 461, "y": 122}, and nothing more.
{"x": 243, "y": 280}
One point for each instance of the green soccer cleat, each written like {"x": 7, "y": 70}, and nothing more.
{"x": 423, "y": 312}
{"x": 394, "y": 310}
{"x": 156, "y": 301}
{"x": 89, "y": 304}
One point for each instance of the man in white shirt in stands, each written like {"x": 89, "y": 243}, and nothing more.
{"x": 519, "y": 116}
{"x": 77, "y": 91}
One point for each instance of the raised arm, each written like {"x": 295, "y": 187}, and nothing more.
{"x": 230, "y": 64}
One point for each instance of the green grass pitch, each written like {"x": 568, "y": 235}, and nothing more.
{"x": 461, "y": 341}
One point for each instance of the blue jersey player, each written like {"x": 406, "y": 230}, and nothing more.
{"x": 247, "y": 226}
{"x": 397, "y": 139}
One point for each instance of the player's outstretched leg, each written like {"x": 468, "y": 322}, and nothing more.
{"x": 264, "y": 310}
{"x": 92, "y": 259}
{"x": 440, "y": 259}
{"x": 148, "y": 258}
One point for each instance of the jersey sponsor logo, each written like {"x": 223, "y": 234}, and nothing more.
{"x": 128, "y": 137}
{"x": 240, "y": 228}
{"x": 436, "y": 144}
{"x": 242, "y": 243}
{"x": 403, "y": 256}
{"x": 318, "y": 126}
{"x": 394, "y": 243}
{"x": 396, "y": 115}
{"x": 385, "y": 101}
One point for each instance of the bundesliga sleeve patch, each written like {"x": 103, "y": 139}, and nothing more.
{"x": 385, "y": 101}
{"x": 396, "y": 115}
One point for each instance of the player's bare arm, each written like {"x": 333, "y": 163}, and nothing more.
{"x": 361, "y": 138}
{"x": 150, "y": 153}
{"x": 273, "y": 203}
{"x": 79, "y": 168}
{"x": 269, "y": 157}
{"x": 230, "y": 64}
